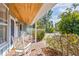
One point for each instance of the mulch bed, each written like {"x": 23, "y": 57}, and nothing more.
{"x": 51, "y": 52}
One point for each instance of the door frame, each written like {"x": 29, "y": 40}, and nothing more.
{"x": 11, "y": 18}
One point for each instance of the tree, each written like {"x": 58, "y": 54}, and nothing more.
{"x": 75, "y": 5}
{"x": 69, "y": 22}
{"x": 45, "y": 22}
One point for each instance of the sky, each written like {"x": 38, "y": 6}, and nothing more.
{"x": 58, "y": 9}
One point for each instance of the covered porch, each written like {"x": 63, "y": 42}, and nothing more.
{"x": 19, "y": 23}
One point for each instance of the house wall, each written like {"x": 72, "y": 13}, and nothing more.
{"x": 16, "y": 30}
{"x": 16, "y": 33}
{"x": 4, "y": 46}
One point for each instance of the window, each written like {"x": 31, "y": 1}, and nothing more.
{"x": 3, "y": 23}
{"x": 3, "y": 12}
{"x": 3, "y": 34}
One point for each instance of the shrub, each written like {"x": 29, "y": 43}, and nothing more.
{"x": 40, "y": 34}
{"x": 63, "y": 43}
{"x": 52, "y": 42}
{"x": 72, "y": 39}
{"x": 51, "y": 52}
{"x": 51, "y": 30}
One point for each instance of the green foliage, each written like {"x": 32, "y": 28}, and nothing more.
{"x": 40, "y": 34}
{"x": 64, "y": 43}
{"x": 45, "y": 23}
{"x": 72, "y": 39}
{"x": 50, "y": 30}
{"x": 69, "y": 22}
{"x": 39, "y": 24}
{"x": 75, "y": 5}
{"x": 52, "y": 42}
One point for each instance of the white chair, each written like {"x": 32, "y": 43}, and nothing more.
{"x": 21, "y": 46}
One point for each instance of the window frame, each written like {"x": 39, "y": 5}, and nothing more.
{"x": 4, "y": 23}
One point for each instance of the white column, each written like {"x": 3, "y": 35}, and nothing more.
{"x": 35, "y": 31}
{"x": 9, "y": 31}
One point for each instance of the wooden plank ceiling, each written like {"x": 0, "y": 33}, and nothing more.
{"x": 24, "y": 12}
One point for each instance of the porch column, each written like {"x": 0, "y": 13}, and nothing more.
{"x": 9, "y": 33}
{"x": 35, "y": 31}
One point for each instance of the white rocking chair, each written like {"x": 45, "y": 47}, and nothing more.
{"x": 21, "y": 46}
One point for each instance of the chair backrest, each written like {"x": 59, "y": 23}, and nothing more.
{"x": 15, "y": 42}
{"x": 19, "y": 43}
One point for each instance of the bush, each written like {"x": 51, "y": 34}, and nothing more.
{"x": 63, "y": 43}
{"x": 40, "y": 34}
{"x": 51, "y": 30}
{"x": 72, "y": 39}
{"x": 51, "y": 52}
{"x": 53, "y": 42}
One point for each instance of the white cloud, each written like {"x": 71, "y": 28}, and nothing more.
{"x": 63, "y": 5}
